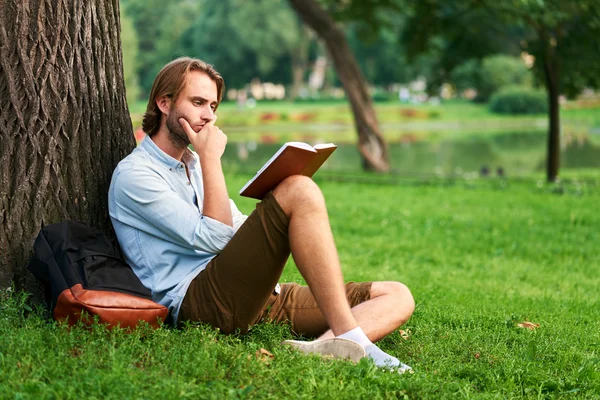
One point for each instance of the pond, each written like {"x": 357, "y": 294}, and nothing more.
{"x": 509, "y": 154}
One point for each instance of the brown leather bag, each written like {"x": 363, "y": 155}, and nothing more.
{"x": 87, "y": 277}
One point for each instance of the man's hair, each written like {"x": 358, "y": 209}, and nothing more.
{"x": 170, "y": 81}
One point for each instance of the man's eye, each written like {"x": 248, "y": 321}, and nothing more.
{"x": 213, "y": 107}
{"x": 197, "y": 103}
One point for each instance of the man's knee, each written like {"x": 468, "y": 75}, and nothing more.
{"x": 399, "y": 293}
{"x": 298, "y": 191}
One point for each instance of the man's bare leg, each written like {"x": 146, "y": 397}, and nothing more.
{"x": 315, "y": 254}
{"x": 391, "y": 305}
{"x": 313, "y": 249}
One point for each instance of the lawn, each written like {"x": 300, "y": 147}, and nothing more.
{"x": 481, "y": 257}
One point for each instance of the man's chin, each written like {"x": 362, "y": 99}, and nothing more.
{"x": 179, "y": 139}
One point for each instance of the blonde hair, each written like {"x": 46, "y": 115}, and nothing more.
{"x": 170, "y": 81}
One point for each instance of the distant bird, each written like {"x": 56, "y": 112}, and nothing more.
{"x": 500, "y": 172}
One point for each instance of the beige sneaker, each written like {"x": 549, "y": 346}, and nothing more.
{"x": 335, "y": 347}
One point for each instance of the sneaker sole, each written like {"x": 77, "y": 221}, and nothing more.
{"x": 335, "y": 348}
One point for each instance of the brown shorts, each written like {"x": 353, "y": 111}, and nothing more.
{"x": 235, "y": 291}
{"x": 296, "y": 306}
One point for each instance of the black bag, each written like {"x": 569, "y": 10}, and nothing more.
{"x": 86, "y": 272}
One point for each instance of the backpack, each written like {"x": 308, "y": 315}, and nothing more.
{"x": 87, "y": 276}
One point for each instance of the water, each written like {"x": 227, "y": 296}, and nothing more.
{"x": 510, "y": 154}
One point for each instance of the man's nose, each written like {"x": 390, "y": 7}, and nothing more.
{"x": 207, "y": 113}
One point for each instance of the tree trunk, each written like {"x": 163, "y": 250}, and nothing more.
{"x": 551, "y": 74}
{"x": 553, "y": 162}
{"x": 299, "y": 58}
{"x": 371, "y": 144}
{"x": 64, "y": 122}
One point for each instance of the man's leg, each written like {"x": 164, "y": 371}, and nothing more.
{"x": 315, "y": 254}
{"x": 233, "y": 289}
{"x": 313, "y": 249}
{"x": 379, "y": 307}
{"x": 390, "y": 306}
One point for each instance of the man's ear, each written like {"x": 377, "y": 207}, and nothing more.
{"x": 164, "y": 104}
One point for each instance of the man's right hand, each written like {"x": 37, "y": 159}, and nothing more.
{"x": 209, "y": 142}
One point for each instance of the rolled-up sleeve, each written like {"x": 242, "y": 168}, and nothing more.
{"x": 238, "y": 217}
{"x": 149, "y": 204}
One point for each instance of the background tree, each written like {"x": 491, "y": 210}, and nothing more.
{"x": 371, "y": 144}
{"x": 376, "y": 45}
{"x": 250, "y": 45}
{"x": 560, "y": 34}
{"x": 489, "y": 75}
{"x": 159, "y": 25}
{"x": 64, "y": 122}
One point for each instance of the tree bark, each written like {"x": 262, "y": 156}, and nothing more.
{"x": 553, "y": 162}
{"x": 371, "y": 144}
{"x": 64, "y": 121}
{"x": 552, "y": 76}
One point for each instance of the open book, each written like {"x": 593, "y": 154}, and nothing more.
{"x": 293, "y": 158}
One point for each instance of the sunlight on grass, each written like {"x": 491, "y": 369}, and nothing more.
{"x": 480, "y": 256}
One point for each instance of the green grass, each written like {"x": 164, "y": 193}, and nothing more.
{"x": 480, "y": 256}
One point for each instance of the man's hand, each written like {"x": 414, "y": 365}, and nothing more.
{"x": 209, "y": 142}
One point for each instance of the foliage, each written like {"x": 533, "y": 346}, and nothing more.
{"x": 466, "y": 29}
{"x": 557, "y": 33}
{"x": 480, "y": 257}
{"x": 256, "y": 39}
{"x": 129, "y": 48}
{"x": 489, "y": 75}
{"x": 381, "y": 56}
{"x": 158, "y": 34}
{"x": 519, "y": 100}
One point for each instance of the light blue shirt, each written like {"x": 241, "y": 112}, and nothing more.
{"x": 156, "y": 212}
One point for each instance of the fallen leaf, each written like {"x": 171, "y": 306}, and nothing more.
{"x": 528, "y": 325}
{"x": 404, "y": 334}
{"x": 477, "y": 355}
{"x": 264, "y": 355}
{"x": 75, "y": 352}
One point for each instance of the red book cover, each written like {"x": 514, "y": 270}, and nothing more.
{"x": 293, "y": 158}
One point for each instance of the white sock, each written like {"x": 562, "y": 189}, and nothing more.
{"x": 379, "y": 357}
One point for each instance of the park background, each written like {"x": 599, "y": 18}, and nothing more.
{"x": 500, "y": 252}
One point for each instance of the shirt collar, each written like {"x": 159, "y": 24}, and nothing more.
{"x": 189, "y": 157}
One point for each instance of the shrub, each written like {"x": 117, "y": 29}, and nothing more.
{"x": 519, "y": 100}
{"x": 490, "y": 75}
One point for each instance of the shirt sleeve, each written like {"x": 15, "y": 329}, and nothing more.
{"x": 146, "y": 202}
{"x": 238, "y": 217}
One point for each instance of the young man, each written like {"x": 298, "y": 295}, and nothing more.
{"x": 204, "y": 260}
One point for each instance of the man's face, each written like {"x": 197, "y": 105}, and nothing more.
{"x": 196, "y": 103}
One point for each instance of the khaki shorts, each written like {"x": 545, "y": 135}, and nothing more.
{"x": 236, "y": 290}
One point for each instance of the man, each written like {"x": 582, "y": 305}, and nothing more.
{"x": 204, "y": 260}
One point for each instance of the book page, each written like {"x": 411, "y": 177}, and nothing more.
{"x": 300, "y": 145}
{"x": 324, "y": 146}
{"x": 323, "y": 153}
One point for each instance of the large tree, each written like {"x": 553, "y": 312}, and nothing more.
{"x": 64, "y": 122}
{"x": 371, "y": 143}
{"x": 560, "y": 34}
